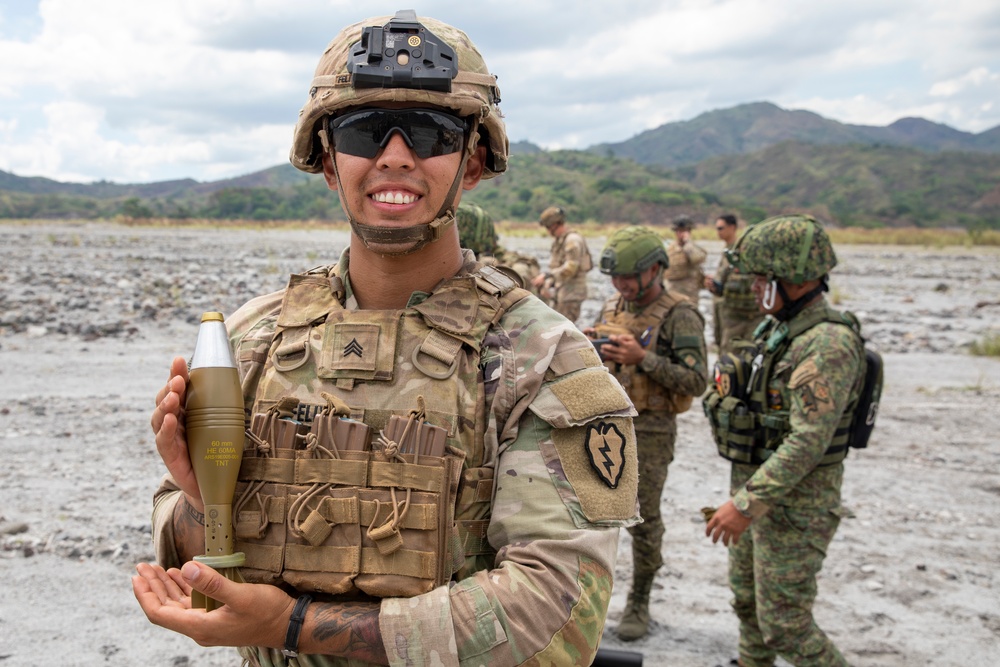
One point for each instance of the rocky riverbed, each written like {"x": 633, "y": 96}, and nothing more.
{"x": 91, "y": 314}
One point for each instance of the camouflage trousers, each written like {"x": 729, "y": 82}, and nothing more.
{"x": 772, "y": 573}
{"x": 655, "y": 433}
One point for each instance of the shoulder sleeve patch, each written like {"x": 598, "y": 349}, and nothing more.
{"x": 803, "y": 374}
{"x": 599, "y": 461}
{"x": 574, "y": 399}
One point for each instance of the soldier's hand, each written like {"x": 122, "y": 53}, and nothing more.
{"x": 727, "y": 524}
{"x": 709, "y": 283}
{"x": 625, "y": 349}
{"x": 167, "y": 423}
{"x": 252, "y": 615}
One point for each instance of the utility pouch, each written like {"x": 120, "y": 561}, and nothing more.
{"x": 408, "y": 509}
{"x": 260, "y": 501}
{"x": 732, "y": 427}
{"x": 323, "y": 551}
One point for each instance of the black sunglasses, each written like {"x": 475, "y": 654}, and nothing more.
{"x": 428, "y": 132}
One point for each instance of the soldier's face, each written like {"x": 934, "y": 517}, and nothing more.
{"x": 629, "y": 287}
{"x": 396, "y": 188}
{"x": 726, "y": 232}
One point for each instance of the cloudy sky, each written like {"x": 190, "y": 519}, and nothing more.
{"x": 133, "y": 91}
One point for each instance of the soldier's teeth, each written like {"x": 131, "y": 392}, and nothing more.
{"x": 394, "y": 198}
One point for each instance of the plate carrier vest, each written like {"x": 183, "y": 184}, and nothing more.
{"x": 744, "y": 428}
{"x": 394, "y": 499}
{"x": 646, "y": 394}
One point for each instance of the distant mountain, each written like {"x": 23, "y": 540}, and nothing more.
{"x": 754, "y": 160}
{"x": 748, "y": 128}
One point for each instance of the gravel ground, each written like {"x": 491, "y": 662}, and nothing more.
{"x": 91, "y": 314}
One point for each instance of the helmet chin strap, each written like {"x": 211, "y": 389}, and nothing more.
{"x": 770, "y": 294}
{"x": 789, "y": 308}
{"x": 644, "y": 289}
{"x": 405, "y": 239}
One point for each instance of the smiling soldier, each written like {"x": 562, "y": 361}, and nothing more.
{"x": 439, "y": 464}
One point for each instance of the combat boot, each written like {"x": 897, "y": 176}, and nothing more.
{"x": 635, "y": 618}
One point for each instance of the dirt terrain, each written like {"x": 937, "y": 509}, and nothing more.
{"x": 91, "y": 314}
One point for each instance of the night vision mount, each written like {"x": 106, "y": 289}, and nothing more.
{"x": 402, "y": 54}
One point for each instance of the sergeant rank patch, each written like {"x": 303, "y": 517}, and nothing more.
{"x": 605, "y": 447}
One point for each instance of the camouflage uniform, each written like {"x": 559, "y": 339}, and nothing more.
{"x": 477, "y": 233}
{"x": 773, "y": 568}
{"x": 793, "y": 493}
{"x": 539, "y": 444}
{"x": 475, "y": 230}
{"x": 553, "y": 515}
{"x": 685, "y": 273}
{"x": 568, "y": 268}
{"x": 672, "y": 370}
{"x": 735, "y": 313}
{"x": 677, "y": 363}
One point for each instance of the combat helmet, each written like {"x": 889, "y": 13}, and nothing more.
{"x": 552, "y": 216}
{"x": 794, "y": 248}
{"x": 400, "y": 59}
{"x": 362, "y": 67}
{"x": 632, "y": 250}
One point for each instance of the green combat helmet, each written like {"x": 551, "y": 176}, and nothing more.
{"x": 794, "y": 248}
{"x": 475, "y": 229}
{"x": 402, "y": 59}
{"x": 632, "y": 250}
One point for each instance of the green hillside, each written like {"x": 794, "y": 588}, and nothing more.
{"x": 755, "y": 160}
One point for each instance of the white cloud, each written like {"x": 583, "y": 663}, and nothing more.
{"x": 209, "y": 89}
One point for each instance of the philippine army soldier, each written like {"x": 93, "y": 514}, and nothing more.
{"x": 438, "y": 464}
{"x": 783, "y": 419}
{"x": 658, "y": 355}
{"x": 687, "y": 260}
{"x": 568, "y": 265}
{"x": 734, "y": 310}
{"x": 477, "y": 232}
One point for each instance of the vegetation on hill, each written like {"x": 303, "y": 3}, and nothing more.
{"x": 754, "y": 160}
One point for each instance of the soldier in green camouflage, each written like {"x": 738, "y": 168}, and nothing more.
{"x": 475, "y": 230}
{"x": 734, "y": 312}
{"x": 782, "y": 430}
{"x": 496, "y": 545}
{"x": 657, "y": 352}
{"x": 477, "y": 233}
{"x": 566, "y": 279}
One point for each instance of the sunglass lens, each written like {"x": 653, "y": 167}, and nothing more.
{"x": 427, "y": 132}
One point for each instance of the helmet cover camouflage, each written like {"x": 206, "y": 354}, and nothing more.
{"x": 552, "y": 216}
{"x": 475, "y": 229}
{"x": 474, "y": 93}
{"x": 632, "y": 250}
{"x": 795, "y": 248}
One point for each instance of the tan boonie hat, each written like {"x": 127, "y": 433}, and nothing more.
{"x": 552, "y": 216}
{"x": 340, "y": 82}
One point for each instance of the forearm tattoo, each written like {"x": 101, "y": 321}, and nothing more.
{"x": 350, "y": 629}
{"x": 189, "y": 530}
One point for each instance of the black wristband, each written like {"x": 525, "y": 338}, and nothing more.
{"x": 291, "y": 649}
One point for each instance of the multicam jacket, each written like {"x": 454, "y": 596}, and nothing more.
{"x": 815, "y": 380}
{"x": 569, "y": 265}
{"x": 556, "y": 503}
{"x": 685, "y": 273}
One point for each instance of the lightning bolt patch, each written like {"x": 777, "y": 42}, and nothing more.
{"x": 605, "y": 447}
